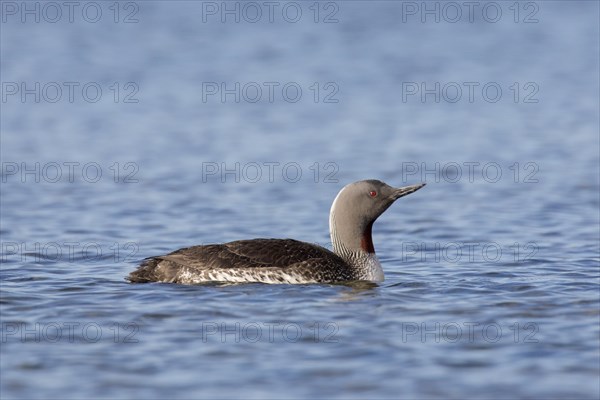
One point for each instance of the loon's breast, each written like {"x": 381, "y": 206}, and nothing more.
{"x": 256, "y": 260}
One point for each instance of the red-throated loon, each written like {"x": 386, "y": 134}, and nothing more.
{"x": 351, "y": 219}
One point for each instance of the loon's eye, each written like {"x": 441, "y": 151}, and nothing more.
{"x": 373, "y": 193}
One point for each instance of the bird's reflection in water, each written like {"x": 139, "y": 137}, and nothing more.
{"x": 356, "y": 290}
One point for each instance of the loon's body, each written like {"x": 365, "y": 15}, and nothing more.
{"x": 351, "y": 219}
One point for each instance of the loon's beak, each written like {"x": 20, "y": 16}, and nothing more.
{"x": 403, "y": 191}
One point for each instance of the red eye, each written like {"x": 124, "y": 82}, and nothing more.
{"x": 372, "y": 193}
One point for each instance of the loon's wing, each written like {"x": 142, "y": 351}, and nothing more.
{"x": 243, "y": 260}
{"x": 251, "y": 253}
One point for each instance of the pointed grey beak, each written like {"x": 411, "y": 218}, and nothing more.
{"x": 403, "y": 191}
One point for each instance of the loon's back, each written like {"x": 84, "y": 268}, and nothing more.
{"x": 255, "y": 260}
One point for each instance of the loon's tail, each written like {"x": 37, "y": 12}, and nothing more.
{"x": 146, "y": 272}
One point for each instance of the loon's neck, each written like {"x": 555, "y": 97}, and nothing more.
{"x": 353, "y": 242}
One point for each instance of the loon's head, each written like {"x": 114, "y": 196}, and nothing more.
{"x": 356, "y": 208}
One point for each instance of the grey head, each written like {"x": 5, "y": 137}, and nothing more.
{"x": 353, "y": 212}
